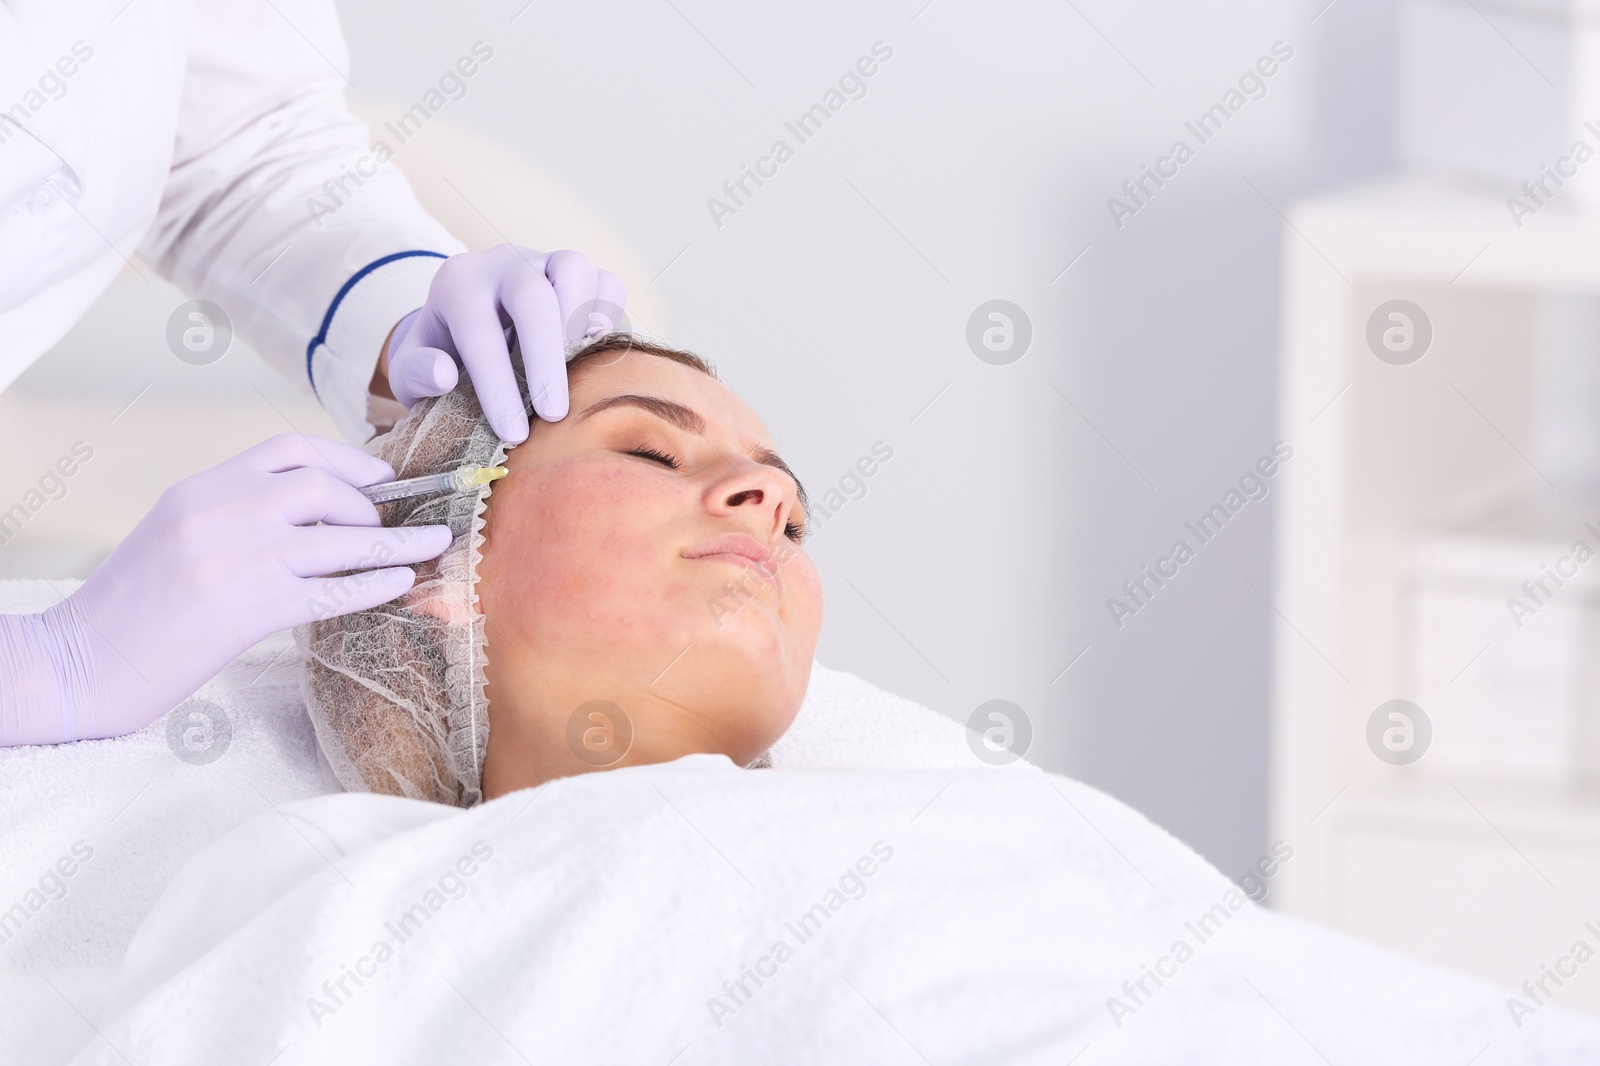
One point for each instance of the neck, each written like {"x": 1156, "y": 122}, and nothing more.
{"x": 545, "y": 728}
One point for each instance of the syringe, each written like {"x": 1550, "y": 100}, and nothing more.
{"x": 462, "y": 480}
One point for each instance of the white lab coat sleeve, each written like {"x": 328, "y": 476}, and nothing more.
{"x": 280, "y": 209}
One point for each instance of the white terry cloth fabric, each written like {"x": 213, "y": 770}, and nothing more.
{"x": 141, "y": 812}
{"x": 846, "y": 722}
{"x": 887, "y": 916}
{"x": 123, "y": 816}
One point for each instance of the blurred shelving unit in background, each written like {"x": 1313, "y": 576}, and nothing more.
{"x": 1425, "y": 496}
{"x": 1438, "y": 537}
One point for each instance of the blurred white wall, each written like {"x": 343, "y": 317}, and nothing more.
{"x": 977, "y": 166}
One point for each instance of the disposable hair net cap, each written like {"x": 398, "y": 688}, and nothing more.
{"x": 396, "y": 693}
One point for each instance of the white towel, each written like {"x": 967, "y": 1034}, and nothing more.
{"x": 848, "y": 722}
{"x": 142, "y": 812}
{"x": 693, "y": 913}
{"x": 138, "y": 812}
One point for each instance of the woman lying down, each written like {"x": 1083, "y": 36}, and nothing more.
{"x": 639, "y": 574}
{"x": 635, "y": 598}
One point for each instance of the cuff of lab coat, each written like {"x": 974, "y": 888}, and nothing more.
{"x": 341, "y": 358}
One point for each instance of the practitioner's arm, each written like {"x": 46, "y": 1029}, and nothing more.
{"x": 224, "y": 559}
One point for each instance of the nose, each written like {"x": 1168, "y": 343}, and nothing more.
{"x": 755, "y": 489}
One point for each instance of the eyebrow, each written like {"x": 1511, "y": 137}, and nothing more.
{"x": 689, "y": 420}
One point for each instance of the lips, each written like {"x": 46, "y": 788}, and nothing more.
{"x": 737, "y": 548}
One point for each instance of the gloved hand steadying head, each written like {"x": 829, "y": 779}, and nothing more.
{"x": 552, "y": 298}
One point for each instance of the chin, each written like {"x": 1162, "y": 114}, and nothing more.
{"x": 765, "y": 726}
{"x": 755, "y": 631}
{"x": 757, "y": 700}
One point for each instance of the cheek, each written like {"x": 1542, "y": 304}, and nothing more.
{"x": 793, "y": 643}
{"x": 761, "y": 636}
{"x": 586, "y": 548}
{"x": 805, "y": 589}
{"x": 586, "y": 567}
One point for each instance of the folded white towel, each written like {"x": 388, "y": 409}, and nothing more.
{"x": 125, "y": 814}
{"x": 693, "y": 913}
{"x": 846, "y": 722}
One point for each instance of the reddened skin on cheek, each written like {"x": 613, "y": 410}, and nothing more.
{"x": 595, "y": 553}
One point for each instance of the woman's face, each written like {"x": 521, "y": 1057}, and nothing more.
{"x": 643, "y": 552}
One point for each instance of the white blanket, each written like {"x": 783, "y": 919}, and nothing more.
{"x": 123, "y": 816}
{"x": 693, "y": 912}
{"x": 140, "y": 806}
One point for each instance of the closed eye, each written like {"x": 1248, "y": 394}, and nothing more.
{"x": 661, "y": 457}
{"x": 793, "y": 530}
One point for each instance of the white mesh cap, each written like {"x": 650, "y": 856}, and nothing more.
{"x": 396, "y": 693}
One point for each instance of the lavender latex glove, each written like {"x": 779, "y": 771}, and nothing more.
{"x": 550, "y": 298}
{"x": 224, "y": 559}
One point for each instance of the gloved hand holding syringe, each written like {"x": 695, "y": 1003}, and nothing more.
{"x": 287, "y": 532}
{"x": 279, "y": 535}
{"x": 434, "y": 484}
